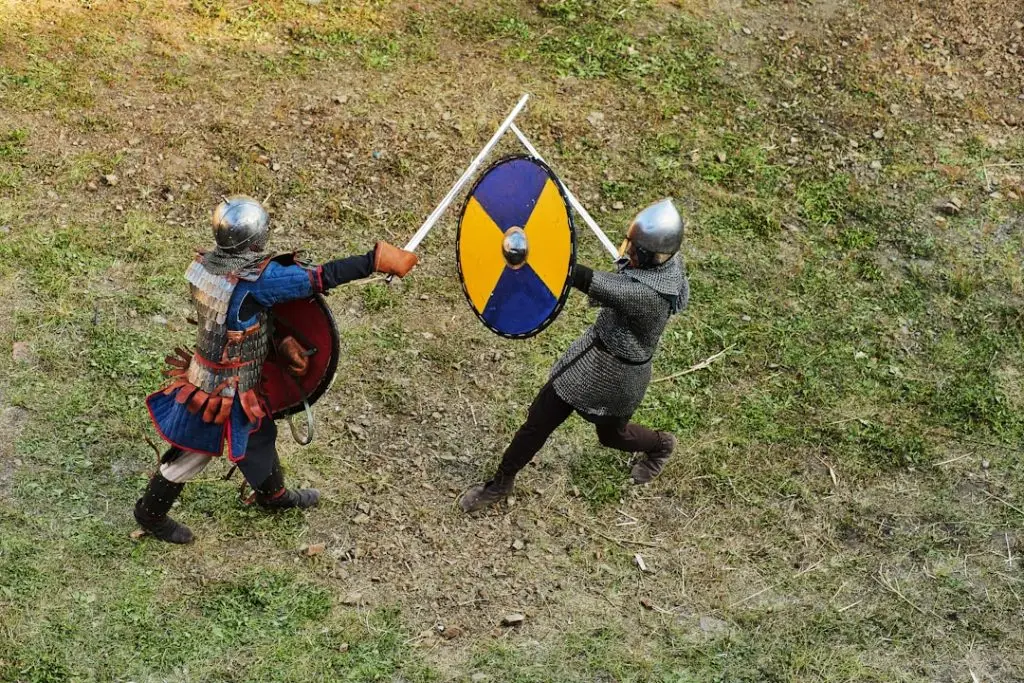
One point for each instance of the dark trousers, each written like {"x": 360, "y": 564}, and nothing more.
{"x": 548, "y": 411}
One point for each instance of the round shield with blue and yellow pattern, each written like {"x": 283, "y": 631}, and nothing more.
{"x": 516, "y": 247}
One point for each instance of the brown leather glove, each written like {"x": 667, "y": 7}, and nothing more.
{"x": 293, "y": 353}
{"x": 391, "y": 260}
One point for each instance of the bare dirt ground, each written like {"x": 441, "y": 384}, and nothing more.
{"x": 846, "y": 502}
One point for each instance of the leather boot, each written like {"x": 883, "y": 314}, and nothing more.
{"x": 151, "y": 511}
{"x": 651, "y": 466}
{"x": 272, "y": 494}
{"x": 487, "y": 494}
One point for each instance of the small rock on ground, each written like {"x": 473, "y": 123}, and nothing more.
{"x": 451, "y": 632}
{"x": 951, "y": 207}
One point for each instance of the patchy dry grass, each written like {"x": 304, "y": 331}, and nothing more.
{"x": 847, "y": 500}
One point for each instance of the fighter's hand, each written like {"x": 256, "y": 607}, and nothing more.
{"x": 391, "y": 260}
{"x": 294, "y": 355}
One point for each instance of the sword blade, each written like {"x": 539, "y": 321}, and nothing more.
{"x": 436, "y": 213}
{"x": 584, "y": 214}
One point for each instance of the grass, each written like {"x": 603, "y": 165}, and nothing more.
{"x": 844, "y": 505}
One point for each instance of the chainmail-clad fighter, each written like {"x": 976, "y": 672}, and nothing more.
{"x": 214, "y": 401}
{"x": 604, "y": 374}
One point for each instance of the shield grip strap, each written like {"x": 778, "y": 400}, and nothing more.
{"x": 307, "y": 409}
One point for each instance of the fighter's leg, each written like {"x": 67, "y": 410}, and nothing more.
{"x": 546, "y": 413}
{"x": 164, "y": 487}
{"x": 271, "y": 492}
{"x": 657, "y": 447}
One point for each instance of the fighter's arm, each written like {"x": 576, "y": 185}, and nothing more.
{"x": 339, "y": 271}
{"x": 613, "y": 290}
{"x": 383, "y": 258}
{"x": 287, "y": 282}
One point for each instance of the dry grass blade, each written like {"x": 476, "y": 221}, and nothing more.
{"x": 1006, "y": 503}
{"x": 893, "y": 588}
{"x": 624, "y": 542}
{"x": 695, "y": 368}
{"x": 775, "y": 585}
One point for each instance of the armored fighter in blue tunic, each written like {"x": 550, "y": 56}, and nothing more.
{"x": 214, "y": 403}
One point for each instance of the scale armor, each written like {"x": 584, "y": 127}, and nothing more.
{"x": 606, "y": 372}
{"x": 227, "y": 364}
{"x": 242, "y": 354}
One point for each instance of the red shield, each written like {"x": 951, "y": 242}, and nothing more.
{"x": 310, "y": 323}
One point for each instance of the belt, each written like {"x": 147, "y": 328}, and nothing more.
{"x": 599, "y": 343}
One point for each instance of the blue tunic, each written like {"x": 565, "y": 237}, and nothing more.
{"x": 188, "y": 431}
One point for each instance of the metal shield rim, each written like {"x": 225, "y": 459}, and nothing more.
{"x": 332, "y": 367}
{"x": 543, "y": 325}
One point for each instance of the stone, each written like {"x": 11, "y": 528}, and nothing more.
{"x": 513, "y": 619}
{"x": 878, "y": 134}
{"x": 92, "y": 186}
{"x": 876, "y": 165}
{"x": 451, "y": 632}
{"x": 314, "y": 549}
{"x": 363, "y": 507}
{"x": 618, "y": 206}
{"x": 361, "y": 518}
{"x": 518, "y": 544}
{"x": 159, "y": 320}
{"x": 275, "y": 166}
{"x": 951, "y": 207}
{"x": 352, "y": 599}
{"x": 110, "y": 179}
